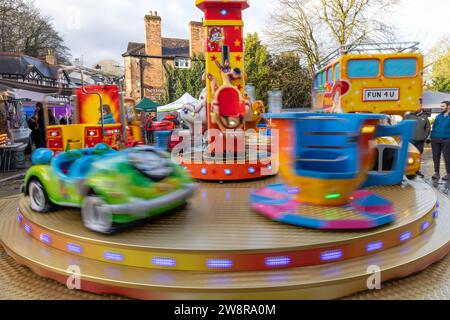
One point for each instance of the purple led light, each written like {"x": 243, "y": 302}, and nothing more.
{"x": 164, "y": 262}
{"x": 19, "y": 218}
{"x": 331, "y": 255}
{"x": 374, "y": 246}
{"x": 45, "y": 238}
{"x": 294, "y": 190}
{"x": 435, "y": 214}
{"x": 228, "y": 172}
{"x": 74, "y": 248}
{"x": 204, "y": 171}
{"x": 220, "y": 264}
{"x": 278, "y": 261}
{"x": 425, "y": 225}
{"x": 251, "y": 170}
{"x": 113, "y": 256}
{"x": 405, "y": 236}
{"x": 27, "y": 228}
{"x": 438, "y": 204}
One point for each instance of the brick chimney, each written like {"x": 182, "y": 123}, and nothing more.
{"x": 153, "y": 41}
{"x": 50, "y": 57}
{"x": 154, "y": 69}
{"x": 197, "y": 38}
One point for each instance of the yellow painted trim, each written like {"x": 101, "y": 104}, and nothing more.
{"x": 223, "y": 23}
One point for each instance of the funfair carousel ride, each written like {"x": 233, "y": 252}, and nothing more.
{"x": 322, "y": 229}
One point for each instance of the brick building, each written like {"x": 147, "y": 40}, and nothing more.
{"x": 144, "y": 62}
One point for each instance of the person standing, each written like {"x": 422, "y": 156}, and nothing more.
{"x": 149, "y": 130}
{"x": 34, "y": 127}
{"x": 440, "y": 141}
{"x": 423, "y": 129}
{"x": 42, "y": 140}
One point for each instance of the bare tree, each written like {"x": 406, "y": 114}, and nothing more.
{"x": 293, "y": 28}
{"x": 24, "y": 29}
{"x": 314, "y": 27}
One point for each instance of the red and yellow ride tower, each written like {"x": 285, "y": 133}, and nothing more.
{"x": 224, "y": 36}
{"x": 228, "y": 110}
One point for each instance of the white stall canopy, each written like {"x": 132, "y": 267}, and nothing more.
{"x": 177, "y": 105}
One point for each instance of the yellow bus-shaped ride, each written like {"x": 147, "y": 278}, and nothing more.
{"x": 372, "y": 83}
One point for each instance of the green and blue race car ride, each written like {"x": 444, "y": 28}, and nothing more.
{"x": 113, "y": 189}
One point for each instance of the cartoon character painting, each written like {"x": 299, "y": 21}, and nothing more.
{"x": 333, "y": 95}
{"x": 215, "y": 39}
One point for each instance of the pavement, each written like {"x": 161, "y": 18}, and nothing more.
{"x": 10, "y": 182}
{"x": 428, "y": 171}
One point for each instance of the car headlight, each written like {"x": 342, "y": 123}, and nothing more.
{"x": 151, "y": 163}
{"x": 411, "y": 160}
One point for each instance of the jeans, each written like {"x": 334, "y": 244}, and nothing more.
{"x": 441, "y": 146}
{"x": 150, "y": 137}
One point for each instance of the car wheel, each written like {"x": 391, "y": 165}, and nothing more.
{"x": 95, "y": 218}
{"x": 38, "y": 197}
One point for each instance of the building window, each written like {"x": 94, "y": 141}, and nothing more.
{"x": 182, "y": 63}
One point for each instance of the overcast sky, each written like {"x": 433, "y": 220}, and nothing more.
{"x": 101, "y": 29}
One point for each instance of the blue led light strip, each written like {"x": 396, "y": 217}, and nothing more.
{"x": 374, "y": 246}
{"x": 220, "y": 264}
{"x": 278, "y": 261}
{"x": 113, "y": 256}
{"x": 331, "y": 255}
{"x": 75, "y": 248}
{"x": 164, "y": 262}
{"x": 405, "y": 236}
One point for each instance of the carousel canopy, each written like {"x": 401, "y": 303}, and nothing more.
{"x": 147, "y": 105}
{"x": 34, "y": 97}
{"x": 177, "y": 105}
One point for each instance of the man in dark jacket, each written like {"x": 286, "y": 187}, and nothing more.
{"x": 423, "y": 128}
{"x": 440, "y": 141}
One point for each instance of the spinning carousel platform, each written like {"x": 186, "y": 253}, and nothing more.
{"x": 217, "y": 248}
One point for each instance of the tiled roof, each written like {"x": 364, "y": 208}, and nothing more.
{"x": 17, "y": 64}
{"x": 135, "y": 48}
{"x": 175, "y": 47}
{"x": 171, "y": 48}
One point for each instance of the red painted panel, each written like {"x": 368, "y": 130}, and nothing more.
{"x": 234, "y": 39}
{"x": 225, "y": 12}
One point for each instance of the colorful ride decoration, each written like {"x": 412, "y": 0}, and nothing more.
{"x": 112, "y": 120}
{"x": 195, "y": 114}
{"x": 324, "y": 160}
{"x": 113, "y": 189}
{"x": 366, "y": 210}
{"x": 227, "y": 110}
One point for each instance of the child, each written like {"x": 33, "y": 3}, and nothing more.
{"x": 108, "y": 117}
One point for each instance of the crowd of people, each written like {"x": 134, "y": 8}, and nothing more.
{"x": 36, "y": 123}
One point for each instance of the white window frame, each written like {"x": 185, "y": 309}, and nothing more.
{"x": 182, "y": 63}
